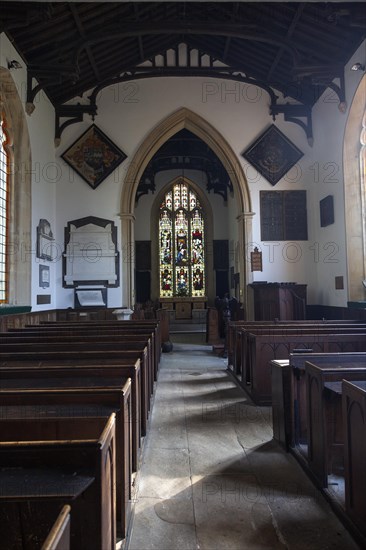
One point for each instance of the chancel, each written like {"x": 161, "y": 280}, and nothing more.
{"x": 182, "y": 275}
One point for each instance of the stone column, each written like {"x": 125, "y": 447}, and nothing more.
{"x": 245, "y": 220}
{"x": 128, "y": 259}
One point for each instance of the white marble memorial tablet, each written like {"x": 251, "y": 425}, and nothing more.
{"x": 90, "y": 298}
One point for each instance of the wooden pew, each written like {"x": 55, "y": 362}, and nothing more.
{"x": 59, "y": 536}
{"x": 48, "y": 463}
{"x": 81, "y": 339}
{"x": 96, "y": 343}
{"x": 354, "y": 426}
{"x": 152, "y": 325}
{"x": 316, "y": 435}
{"x": 289, "y": 393}
{"x": 271, "y": 332}
{"x": 79, "y": 334}
{"x": 84, "y": 335}
{"x": 236, "y": 328}
{"x": 128, "y": 350}
{"x": 107, "y": 373}
{"x": 89, "y": 357}
{"x": 262, "y": 348}
{"x": 150, "y": 331}
{"x": 281, "y": 401}
{"x": 85, "y": 393}
{"x": 25, "y": 527}
{"x": 41, "y": 337}
{"x": 324, "y": 416}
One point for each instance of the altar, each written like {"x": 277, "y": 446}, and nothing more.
{"x": 184, "y": 307}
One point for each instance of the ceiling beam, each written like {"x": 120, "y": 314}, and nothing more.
{"x": 82, "y": 33}
{"x": 139, "y": 38}
{"x": 289, "y": 33}
{"x": 209, "y": 29}
{"x": 234, "y": 16}
{"x": 226, "y": 49}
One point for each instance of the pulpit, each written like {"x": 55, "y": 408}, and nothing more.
{"x": 284, "y": 301}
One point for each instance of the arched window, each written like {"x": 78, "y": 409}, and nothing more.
{"x": 4, "y": 211}
{"x": 181, "y": 243}
{"x": 16, "y": 192}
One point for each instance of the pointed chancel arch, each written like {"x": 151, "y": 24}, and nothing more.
{"x": 183, "y": 118}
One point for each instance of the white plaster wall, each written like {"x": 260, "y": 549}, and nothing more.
{"x": 128, "y": 112}
{"x": 76, "y": 199}
{"x": 240, "y": 113}
{"x": 325, "y": 162}
{"x": 45, "y": 177}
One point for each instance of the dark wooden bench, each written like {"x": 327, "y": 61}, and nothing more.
{"x": 153, "y": 325}
{"x": 14, "y": 370}
{"x": 59, "y": 536}
{"x": 281, "y": 401}
{"x": 324, "y": 417}
{"x": 92, "y": 345}
{"x": 354, "y": 427}
{"x": 270, "y": 333}
{"x": 309, "y": 401}
{"x": 61, "y": 337}
{"x": 48, "y": 463}
{"x": 263, "y": 348}
{"x": 85, "y": 392}
{"x": 151, "y": 332}
{"x": 26, "y": 527}
{"x": 128, "y": 350}
{"x": 89, "y": 336}
{"x": 88, "y": 341}
{"x": 68, "y": 357}
{"x": 289, "y": 393}
{"x": 237, "y": 329}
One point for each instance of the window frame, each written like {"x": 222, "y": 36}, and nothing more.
{"x": 174, "y": 267}
{"x": 5, "y": 188}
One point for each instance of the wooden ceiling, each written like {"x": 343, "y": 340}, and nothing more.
{"x": 297, "y": 48}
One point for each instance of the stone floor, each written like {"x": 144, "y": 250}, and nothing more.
{"x": 213, "y": 478}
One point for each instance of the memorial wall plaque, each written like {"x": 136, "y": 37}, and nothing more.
{"x": 256, "y": 260}
{"x": 283, "y": 216}
{"x": 91, "y": 255}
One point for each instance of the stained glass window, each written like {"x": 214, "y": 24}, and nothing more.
{"x": 4, "y": 201}
{"x": 181, "y": 243}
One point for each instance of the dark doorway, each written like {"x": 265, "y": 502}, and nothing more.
{"x": 222, "y": 282}
{"x": 143, "y": 280}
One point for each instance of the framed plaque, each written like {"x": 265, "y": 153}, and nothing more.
{"x": 283, "y": 216}
{"x": 326, "y": 211}
{"x": 256, "y": 260}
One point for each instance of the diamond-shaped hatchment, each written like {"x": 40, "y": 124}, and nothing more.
{"x": 273, "y": 154}
{"x": 93, "y": 156}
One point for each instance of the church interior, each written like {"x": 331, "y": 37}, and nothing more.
{"x": 182, "y": 275}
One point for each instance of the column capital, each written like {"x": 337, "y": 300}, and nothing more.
{"x": 245, "y": 216}
{"x": 127, "y": 216}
